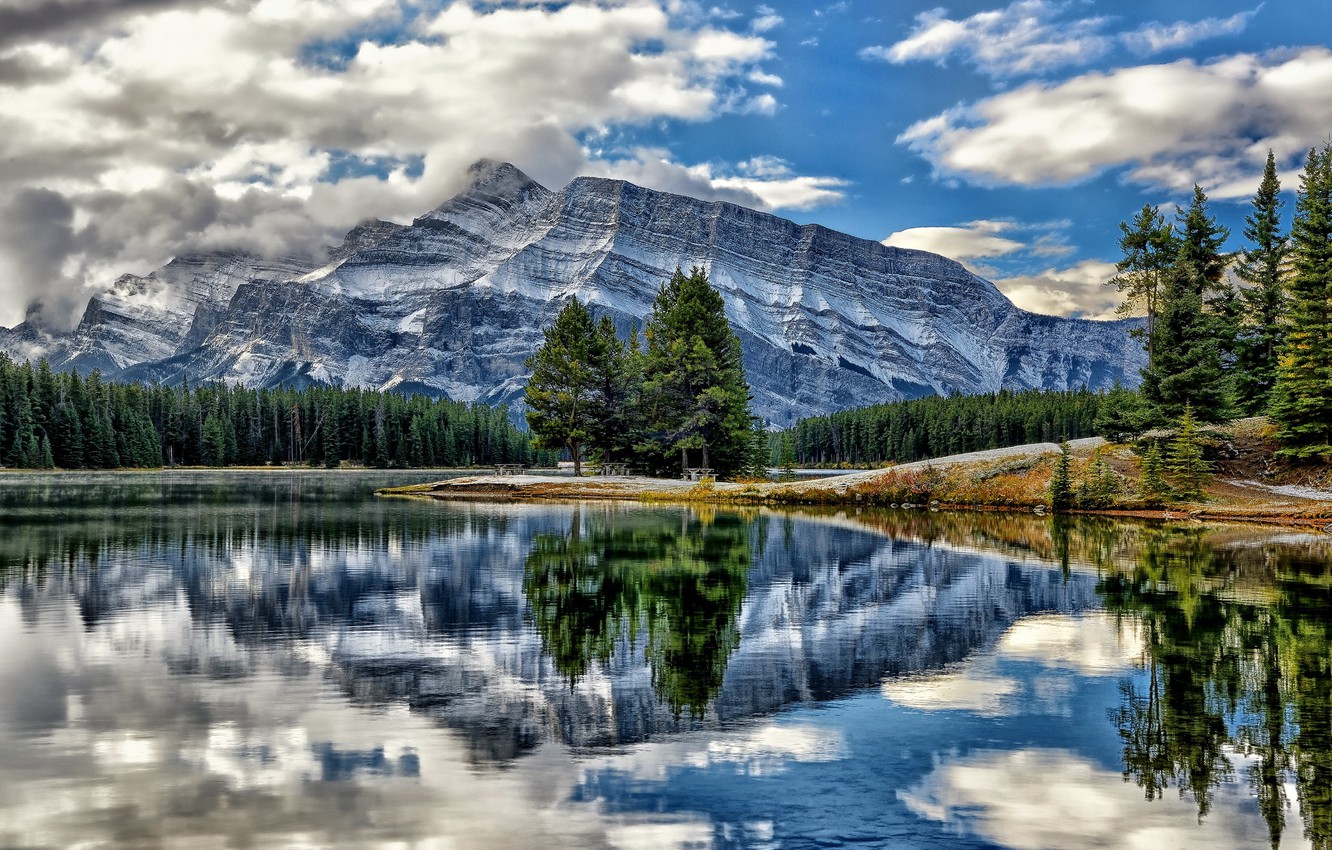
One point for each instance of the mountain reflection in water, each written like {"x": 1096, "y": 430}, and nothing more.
{"x": 261, "y": 660}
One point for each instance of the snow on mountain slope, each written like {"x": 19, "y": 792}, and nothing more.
{"x": 454, "y": 304}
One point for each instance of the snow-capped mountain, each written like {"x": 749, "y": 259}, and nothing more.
{"x": 454, "y": 304}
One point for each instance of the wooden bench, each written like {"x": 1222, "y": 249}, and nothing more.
{"x": 508, "y": 469}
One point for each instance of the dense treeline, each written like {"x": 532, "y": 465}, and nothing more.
{"x": 62, "y": 420}
{"x": 934, "y": 426}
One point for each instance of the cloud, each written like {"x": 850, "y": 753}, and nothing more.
{"x": 278, "y": 124}
{"x": 1089, "y": 645}
{"x": 1034, "y": 37}
{"x": 764, "y": 182}
{"x": 776, "y": 185}
{"x": 1157, "y": 38}
{"x": 1075, "y": 291}
{"x": 993, "y": 795}
{"x": 767, "y": 19}
{"x": 976, "y": 240}
{"x": 1020, "y": 39}
{"x": 1171, "y": 125}
{"x": 1079, "y": 290}
{"x": 36, "y": 239}
{"x": 19, "y": 22}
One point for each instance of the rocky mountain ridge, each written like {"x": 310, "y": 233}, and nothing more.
{"x": 454, "y": 303}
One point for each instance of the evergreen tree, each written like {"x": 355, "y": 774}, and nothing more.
{"x": 615, "y": 377}
{"x": 1061, "y": 480}
{"x": 1099, "y": 486}
{"x": 1262, "y": 266}
{"x": 756, "y": 465}
{"x": 214, "y": 441}
{"x": 1302, "y": 403}
{"x": 68, "y": 443}
{"x": 1122, "y": 415}
{"x": 787, "y": 458}
{"x": 1187, "y": 367}
{"x": 694, "y": 389}
{"x": 1153, "y": 487}
{"x": 561, "y": 410}
{"x": 1184, "y": 460}
{"x": 1149, "y": 247}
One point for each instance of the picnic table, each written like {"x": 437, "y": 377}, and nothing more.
{"x": 508, "y": 469}
{"x": 694, "y": 473}
{"x": 614, "y": 469}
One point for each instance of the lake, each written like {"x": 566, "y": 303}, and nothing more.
{"x": 281, "y": 659}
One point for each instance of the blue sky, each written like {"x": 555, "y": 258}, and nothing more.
{"x": 1013, "y": 136}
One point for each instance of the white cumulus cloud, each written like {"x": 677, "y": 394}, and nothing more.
{"x": 1170, "y": 125}
{"x": 1079, "y": 290}
{"x": 976, "y": 240}
{"x": 275, "y": 125}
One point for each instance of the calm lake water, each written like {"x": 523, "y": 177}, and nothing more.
{"x": 283, "y": 660}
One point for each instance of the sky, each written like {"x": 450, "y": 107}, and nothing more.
{"x": 1011, "y": 136}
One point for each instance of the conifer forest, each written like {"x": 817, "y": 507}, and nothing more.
{"x": 63, "y": 420}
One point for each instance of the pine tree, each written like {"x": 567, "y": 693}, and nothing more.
{"x": 1187, "y": 368}
{"x": 1184, "y": 460}
{"x": 214, "y": 441}
{"x": 1261, "y": 265}
{"x": 1099, "y": 485}
{"x": 786, "y": 460}
{"x": 1061, "y": 480}
{"x": 615, "y": 376}
{"x": 756, "y": 464}
{"x": 1149, "y": 250}
{"x": 695, "y": 396}
{"x": 560, "y": 394}
{"x": 1302, "y": 403}
{"x": 1121, "y": 415}
{"x": 1153, "y": 487}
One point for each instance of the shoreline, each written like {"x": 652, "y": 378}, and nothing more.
{"x": 1008, "y": 480}
{"x": 537, "y": 488}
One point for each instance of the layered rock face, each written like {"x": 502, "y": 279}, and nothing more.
{"x": 454, "y": 304}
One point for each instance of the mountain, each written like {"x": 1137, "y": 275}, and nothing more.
{"x": 454, "y": 303}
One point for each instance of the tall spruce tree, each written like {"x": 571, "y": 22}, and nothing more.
{"x": 695, "y": 397}
{"x": 1302, "y": 403}
{"x": 1187, "y": 367}
{"x": 1149, "y": 247}
{"x": 616, "y": 374}
{"x": 1261, "y": 265}
{"x": 561, "y": 407}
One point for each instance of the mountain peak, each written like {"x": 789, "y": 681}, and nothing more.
{"x": 493, "y": 177}
{"x": 490, "y": 184}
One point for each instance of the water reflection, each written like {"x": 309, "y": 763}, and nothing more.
{"x": 673, "y": 586}
{"x": 1238, "y": 664}
{"x": 272, "y": 662}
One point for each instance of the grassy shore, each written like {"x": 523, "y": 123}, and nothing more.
{"x": 1249, "y": 484}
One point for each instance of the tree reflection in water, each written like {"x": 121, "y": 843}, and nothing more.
{"x": 670, "y": 582}
{"x": 1239, "y": 665}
